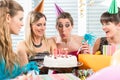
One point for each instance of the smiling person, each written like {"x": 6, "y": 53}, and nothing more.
{"x": 111, "y": 27}
{"x": 36, "y": 45}
{"x": 11, "y": 15}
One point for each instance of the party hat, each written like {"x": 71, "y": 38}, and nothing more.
{"x": 58, "y": 10}
{"x": 113, "y": 7}
{"x": 40, "y": 7}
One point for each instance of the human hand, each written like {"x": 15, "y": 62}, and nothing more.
{"x": 85, "y": 48}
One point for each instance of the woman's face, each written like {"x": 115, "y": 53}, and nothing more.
{"x": 64, "y": 28}
{"x": 39, "y": 27}
{"x": 110, "y": 29}
{"x": 16, "y": 23}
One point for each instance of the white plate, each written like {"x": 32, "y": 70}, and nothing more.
{"x": 78, "y": 65}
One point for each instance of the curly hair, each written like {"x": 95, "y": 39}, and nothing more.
{"x": 6, "y": 52}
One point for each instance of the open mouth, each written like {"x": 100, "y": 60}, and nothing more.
{"x": 107, "y": 32}
{"x": 63, "y": 35}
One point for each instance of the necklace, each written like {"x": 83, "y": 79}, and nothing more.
{"x": 37, "y": 46}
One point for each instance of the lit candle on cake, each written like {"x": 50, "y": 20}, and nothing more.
{"x": 66, "y": 52}
{"x": 59, "y": 52}
{"x": 55, "y": 53}
{"x": 62, "y": 52}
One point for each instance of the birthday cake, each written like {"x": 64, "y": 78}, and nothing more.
{"x": 60, "y": 61}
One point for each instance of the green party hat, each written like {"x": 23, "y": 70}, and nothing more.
{"x": 113, "y": 7}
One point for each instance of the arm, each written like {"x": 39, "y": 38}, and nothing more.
{"x": 96, "y": 45}
{"x": 21, "y": 52}
{"x": 85, "y": 48}
{"x": 52, "y": 44}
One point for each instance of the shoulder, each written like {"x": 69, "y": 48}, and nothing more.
{"x": 101, "y": 40}
{"x": 51, "y": 40}
{"x": 77, "y": 37}
{"x": 98, "y": 40}
{"x": 21, "y": 46}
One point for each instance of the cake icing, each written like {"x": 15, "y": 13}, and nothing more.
{"x": 60, "y": 61}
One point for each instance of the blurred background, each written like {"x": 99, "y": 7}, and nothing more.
{"x": 86, "y": 15}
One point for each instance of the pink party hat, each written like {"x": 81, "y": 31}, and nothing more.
{"x": 58, "y": 10}
{"x": 40, "y": 7}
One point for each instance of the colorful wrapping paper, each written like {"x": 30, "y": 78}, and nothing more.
{"x": 109, "y": 50}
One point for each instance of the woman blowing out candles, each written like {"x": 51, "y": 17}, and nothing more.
{"x": 64, "y": 25}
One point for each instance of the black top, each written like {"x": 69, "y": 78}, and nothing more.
{"x": 103, "y": 41}
{"x": 39, "y": 57}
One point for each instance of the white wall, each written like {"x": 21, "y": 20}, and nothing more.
{"x": 27, "y": 5}
{"x": 89, "y": 22}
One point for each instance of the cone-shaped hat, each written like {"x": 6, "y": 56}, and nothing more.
{"x": 40, "y": 7}
{"x": 113, "y": 7}
{"x": 58, "y": 10}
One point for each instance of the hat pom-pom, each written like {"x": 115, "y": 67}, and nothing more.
{"x": 89, "y": 38}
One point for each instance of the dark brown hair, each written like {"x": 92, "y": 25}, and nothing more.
{"x": 107, "y": 17}
{"x": 65, "y": 15}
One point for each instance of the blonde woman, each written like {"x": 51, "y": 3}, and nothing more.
{"x": 11, "y": 15}
{"x": 11, "y": 65}
{"x": 36, "y": 45}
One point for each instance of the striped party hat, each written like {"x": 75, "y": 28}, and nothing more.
{"x": 113, "y": 9}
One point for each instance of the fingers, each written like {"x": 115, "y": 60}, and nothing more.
{"x": 85, "y": 48}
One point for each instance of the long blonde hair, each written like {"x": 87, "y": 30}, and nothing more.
{"x": 6, "y": 52}
{"x": 33, "y": 16}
